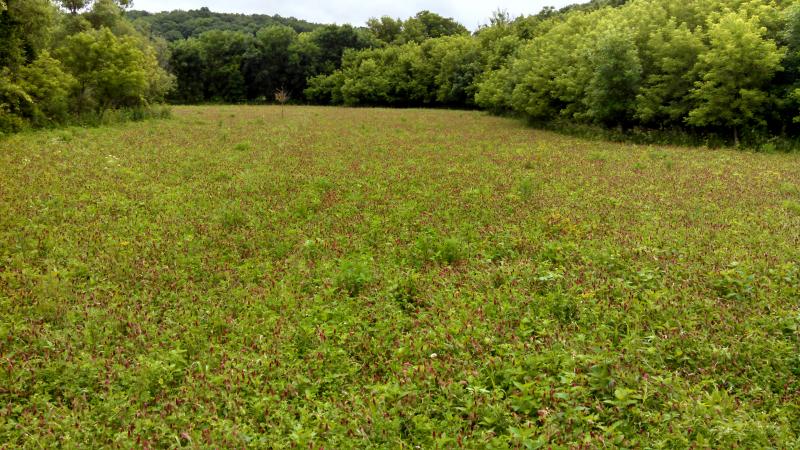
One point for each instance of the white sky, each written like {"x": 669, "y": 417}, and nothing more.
{"x": 470, "y": 13}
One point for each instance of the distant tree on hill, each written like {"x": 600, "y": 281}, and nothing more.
{"x": 177, "y": 25}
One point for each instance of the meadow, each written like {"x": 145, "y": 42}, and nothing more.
{"x": 319, "y": 277}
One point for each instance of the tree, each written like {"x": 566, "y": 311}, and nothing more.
{"x": 14, "y": 100}
{"x": 332, "y": 40}
{"x": 49, "y": 89}
{"x": 386, "y": 29}
{"x": 457, "y": 64}
{"x": 178, "y": 25}
{"x": 426, "y": 25}
{"x": 325, "y": 89}
{"x": 550, "y": 74}
{"x": 25, "y": 27}
{"x": 791, "y": 37}
{"x": 616, "y": 75}
{"x": 73, "y": 6}
{"x": 107, "y": 13}
{"x": 188, "y": 63}
{"x": 224, "y": 52}
{"x": 111, "y": 72}
{"x": 268, "y": 67}
{"x": 736, "y": 68}
{"x": 664, "y": 98}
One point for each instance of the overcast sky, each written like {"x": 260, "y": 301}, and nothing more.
{"x": 471, "y": 13}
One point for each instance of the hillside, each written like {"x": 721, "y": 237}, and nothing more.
{"x": 177, "y": 25}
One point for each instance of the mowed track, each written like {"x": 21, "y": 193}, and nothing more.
{"x": 339, "y": 278}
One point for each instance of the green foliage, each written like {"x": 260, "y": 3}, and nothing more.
{"x": 50, "y": 89}
{"x": 111, "y": 72}
{"x": 427, "y": 25}
{"x": 56, "y": 69}
{"x": 14, "y": 101}
{"x": 430, "y": 246}
{"x": 353, "y": 276}
{"x": 439, "y": 71}
{"x": 178, "y": 24}
{"x": 736, "y": 70}
{"x": 231, "y": 66}
{"x": 405, "y": 291}
{"x": 664, "y": 97}
{"x": 649, "y": 69}
{"x": 693, "y": 66}
{"x": 735, "y": 283}
{"x": 617, "y": 74}
{"x": 325, "y": 89}
{"x": 386, "y": 29}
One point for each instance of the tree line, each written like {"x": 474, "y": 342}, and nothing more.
{"x": 177, "y": 25}
{"x": 730, "y": 67}
{"x": 236, "y": 66}
{"x": 704, "y": 66}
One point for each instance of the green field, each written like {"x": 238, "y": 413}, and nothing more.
{"x": 342, "y": 278}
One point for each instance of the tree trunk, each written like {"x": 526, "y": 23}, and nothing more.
{"x": 736, "y": 137}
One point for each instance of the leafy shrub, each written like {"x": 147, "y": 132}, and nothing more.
{"x": 405, "y": 292}
{"x": 232, "y": 217}
{"x": 792, "y": 206}
{"x": 353, "y": 276}
{"x": 735, "y": 283}
{"x": 527, "y": 188}
{"x": 242, "y": 146}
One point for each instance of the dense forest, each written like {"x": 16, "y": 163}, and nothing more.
{"x": 729, "y": 67}
{"x": 177, "y": 25}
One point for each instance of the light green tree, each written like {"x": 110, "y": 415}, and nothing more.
{"x": 386, "y": 28}
{"x": 49, "y": 89}
{"x": 551, "y": 73}
{"x": 456, "y": 64}
{"x": 664, "y": 98}
{"x": 111, "y": 72}
{"x": 736, "y": 69}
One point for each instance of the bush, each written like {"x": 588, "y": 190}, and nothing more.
{"x": 431, "y": 247}
{"x": 353, "y": 276}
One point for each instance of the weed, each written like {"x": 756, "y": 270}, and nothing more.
{"x": 598, "y": 157}
{"x": 431, "y": 247}
{"x": 353, "y": 276}
{"x": 405, "y": 291}
{"x": 242, "y": 146}
{"x": 232, "y": 216}
{"x": 735, "y": 282}
{"x": 792, "y": 206}
{"x": 789, "y": 189}
{"x": 527, "y": 188}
